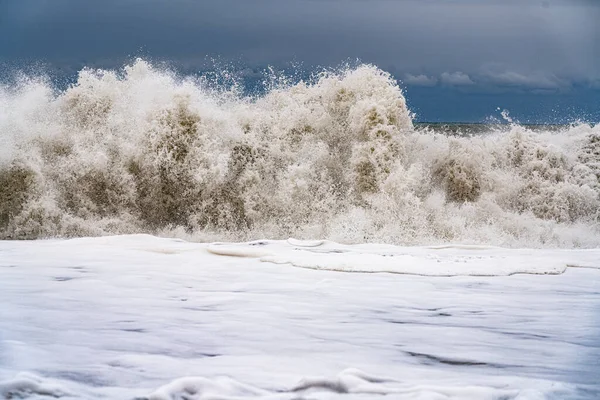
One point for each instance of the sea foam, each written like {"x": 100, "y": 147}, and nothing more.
{"x": 338, "y": 158}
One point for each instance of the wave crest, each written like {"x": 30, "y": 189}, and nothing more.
{"x": 142, "y": 150}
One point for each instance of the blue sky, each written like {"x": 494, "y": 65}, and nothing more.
{"x": 459, "y": 60}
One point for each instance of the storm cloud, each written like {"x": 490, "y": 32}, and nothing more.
{"x": 511, "y": 44}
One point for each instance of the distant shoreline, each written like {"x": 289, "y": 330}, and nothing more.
{"x": 421, "y": 123}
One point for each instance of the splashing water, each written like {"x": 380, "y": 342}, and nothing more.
{"x": 144, "y": 151}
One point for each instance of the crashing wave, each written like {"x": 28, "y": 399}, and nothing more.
{"x": 141, "y": 150}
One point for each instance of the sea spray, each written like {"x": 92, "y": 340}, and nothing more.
{"x": 142, "y": 150}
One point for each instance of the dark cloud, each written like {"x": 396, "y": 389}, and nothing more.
{"x": 538, "y": 80}
{"x": 461, "y": 44}
{"x": 434, "y": 35}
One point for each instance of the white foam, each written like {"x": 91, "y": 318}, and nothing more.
{"x": 198, "y": 388}
{"x": 449, "y": 260}
{"x": 28, "y": 385}
{"x": 350, "y": 381}
{"x": 113, "y": 318}
{"x": 142, "y": 150}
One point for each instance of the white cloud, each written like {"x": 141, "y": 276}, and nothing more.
{"x": 420, "y": 80}
{"x": 456, "y": 79}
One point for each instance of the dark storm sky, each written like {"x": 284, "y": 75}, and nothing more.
{"x": 457, "y": 59}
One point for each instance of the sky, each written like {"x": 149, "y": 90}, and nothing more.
{"x": 458, "y": 60}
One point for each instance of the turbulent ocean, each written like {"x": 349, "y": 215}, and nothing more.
{"x": 308, "y": 240}
{"x": 336, "y": 156}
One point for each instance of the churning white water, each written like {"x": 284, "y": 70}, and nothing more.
{"x": 142, "y": 150}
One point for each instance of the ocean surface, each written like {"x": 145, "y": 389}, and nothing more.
{"x": 189, "y": 240}
{"x": 140, "y": 317}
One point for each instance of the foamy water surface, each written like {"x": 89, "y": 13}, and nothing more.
{"x": 147, "y": 318}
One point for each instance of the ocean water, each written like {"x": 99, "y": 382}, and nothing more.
{"x": 196, "y": 242}
{"x": 337, "y": 157}
{"x": 140, "y": 317}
